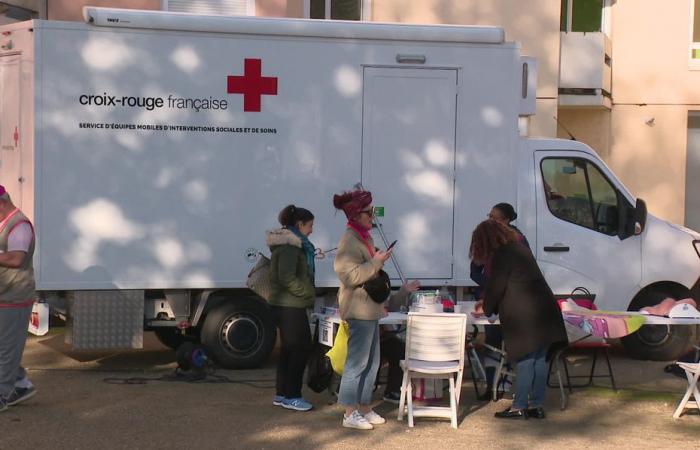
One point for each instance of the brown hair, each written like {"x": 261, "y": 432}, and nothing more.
{"x": 292, "y": 214}
{"x": 487, "y": 238}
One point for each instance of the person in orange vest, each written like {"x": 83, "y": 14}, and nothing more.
{"x": 17, "y": 296}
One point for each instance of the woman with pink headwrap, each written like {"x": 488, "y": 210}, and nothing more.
{"x": 357, "y": 262}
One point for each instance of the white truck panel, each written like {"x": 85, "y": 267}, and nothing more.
{"x": 128, "y": 199}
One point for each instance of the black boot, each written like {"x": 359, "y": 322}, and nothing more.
{"x": 512, "y": 414}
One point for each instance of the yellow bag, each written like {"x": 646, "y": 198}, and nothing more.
{"x": 339, "y": 352}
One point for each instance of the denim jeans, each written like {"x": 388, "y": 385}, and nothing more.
{"x": 362, "y": 363}
{"x": 531, "y": 380}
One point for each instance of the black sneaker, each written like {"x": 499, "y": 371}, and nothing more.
{"x": 392, "y": 397}
{"x": 19, "y": 395}
{"x": 536, "y": 413}
{"x": 511, "y": 414}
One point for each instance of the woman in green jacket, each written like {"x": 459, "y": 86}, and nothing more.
{"x": 292, "y": 281}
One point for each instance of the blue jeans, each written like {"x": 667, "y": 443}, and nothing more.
{"x": 362, "y": 363}
{"x": 531, "y": 380}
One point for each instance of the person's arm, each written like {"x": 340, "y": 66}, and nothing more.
{"x": 476, "y": 273}
{"x": 400, "y": 297}
{"x": 287, "y": 274}
{"x": 18, "y": 242}
{"x": 498, "y": 282}
{"x": 12, "y": 260}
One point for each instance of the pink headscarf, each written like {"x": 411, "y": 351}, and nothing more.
{"x": 353, "y": 202}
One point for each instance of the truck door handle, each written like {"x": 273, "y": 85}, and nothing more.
{"x": 557, "y": 248}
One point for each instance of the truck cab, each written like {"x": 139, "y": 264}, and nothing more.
{"x": 590, "y": 231}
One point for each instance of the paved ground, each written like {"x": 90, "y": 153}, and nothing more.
{"x": 77, "y": 409}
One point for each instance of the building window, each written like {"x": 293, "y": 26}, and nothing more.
{"x": 337, "y": 9}
{"x": 585, "y": 15}
{"x": 695, "y": 31}
{"x": 211, "y": 7}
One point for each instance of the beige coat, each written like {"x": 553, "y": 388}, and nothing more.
{"x": 354, "y": 265}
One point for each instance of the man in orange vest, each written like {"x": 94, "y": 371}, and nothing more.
{"x": 17, "y": 296}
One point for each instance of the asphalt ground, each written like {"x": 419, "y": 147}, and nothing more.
{"x": 78, "y": 408}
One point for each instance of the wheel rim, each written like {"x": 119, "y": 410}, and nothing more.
{"x": 242, "y": 334}
{"x": 654, "y": 335}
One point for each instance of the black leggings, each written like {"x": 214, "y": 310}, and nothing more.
{"x": 295, "y": 334}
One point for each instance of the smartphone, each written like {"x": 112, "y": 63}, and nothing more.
{"x": 391, "y": 245}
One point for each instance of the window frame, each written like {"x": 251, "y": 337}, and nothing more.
{"x": 365, "y": 10}
{"x": 250, "y": 6}
{"x": 605, "y": 19}
{"x": 618, "y": 194}
{"x": 693, "y": 63}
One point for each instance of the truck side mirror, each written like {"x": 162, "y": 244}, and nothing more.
{"x": 640, "y": 216}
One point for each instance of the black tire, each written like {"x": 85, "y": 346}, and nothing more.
{"x": 656, "y": 342}
{"x": 171, "y": 337}
{"x": 240, "y": 334}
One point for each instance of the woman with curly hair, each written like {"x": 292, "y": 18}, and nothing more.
{"x": 530, "y": 318}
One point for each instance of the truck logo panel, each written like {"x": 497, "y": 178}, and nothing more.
{"x": 252, "y": 85}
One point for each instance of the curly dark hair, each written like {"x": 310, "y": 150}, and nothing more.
{"x": 487, "y": 238}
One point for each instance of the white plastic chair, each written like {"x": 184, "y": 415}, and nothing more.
{"x": 434, "y": 349}
{"x": 692, "y": 372}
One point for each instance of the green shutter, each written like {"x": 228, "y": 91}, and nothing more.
{"x": 587, "y": 15}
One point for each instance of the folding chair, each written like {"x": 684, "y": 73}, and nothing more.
{"x": 590, "y": 344}
{"x": 692, "y": 372}
{"x": 478, "y": 372}
{"x": 434, "y": 349}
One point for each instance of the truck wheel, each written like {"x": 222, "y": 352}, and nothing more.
{"x": 656, "y": 342}
{"x": 240, "y": 334}
{"x": 170, "y": 336}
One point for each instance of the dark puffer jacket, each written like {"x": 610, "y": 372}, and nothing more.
{"x": 289, "y": 271}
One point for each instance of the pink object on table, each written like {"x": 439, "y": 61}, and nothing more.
{"x": 664, "y": 307}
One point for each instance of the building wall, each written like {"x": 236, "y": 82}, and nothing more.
{"x": 533, "y": 23}
{"x": 587, "y": 125}
{"x": 651, "y": 79}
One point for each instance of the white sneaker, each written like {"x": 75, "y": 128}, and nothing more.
{"x": 356, "y": 420}
{"x": 374, "y": 418}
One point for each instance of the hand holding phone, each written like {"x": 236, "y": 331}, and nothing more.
{"x": 391, "y": 245}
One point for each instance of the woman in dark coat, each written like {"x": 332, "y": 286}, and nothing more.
{"x": 530, "y": 318}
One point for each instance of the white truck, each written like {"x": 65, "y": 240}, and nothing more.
{"x": 152, "y": 151}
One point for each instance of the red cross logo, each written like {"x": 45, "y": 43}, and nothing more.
{"x": 252, "y": 85}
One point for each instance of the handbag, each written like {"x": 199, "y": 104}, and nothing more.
{"x": 339, "y": 352}
{"x": 379, "y": 287}
{"x": 319, "y": 371}
{"x": 580, "y": 295}
{"x": 259, "y": 278}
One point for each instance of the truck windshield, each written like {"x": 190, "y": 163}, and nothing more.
{"x": 577, "y": 191}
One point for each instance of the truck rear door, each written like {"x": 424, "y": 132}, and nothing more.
{"x": 10, "y": 154}
{"x": 408, "y": 162}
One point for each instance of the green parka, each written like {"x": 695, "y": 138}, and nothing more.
{"x": 289, "y": 271}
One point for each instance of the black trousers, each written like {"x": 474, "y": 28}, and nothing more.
{"x": 393, "y": 349}
{"x": 295, "y": 335}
